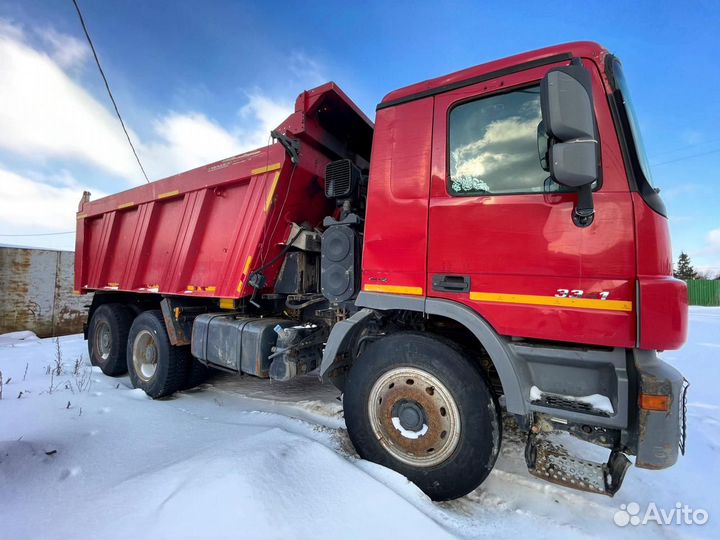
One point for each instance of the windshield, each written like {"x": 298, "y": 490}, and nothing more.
{"x": 621, "y": 86}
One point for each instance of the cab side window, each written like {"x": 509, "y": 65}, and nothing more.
{"x": 493, "y": 146}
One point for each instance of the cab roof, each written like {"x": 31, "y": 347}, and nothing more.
{"x": 496, "y": 68}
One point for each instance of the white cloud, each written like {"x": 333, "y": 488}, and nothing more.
{"x": 261, "y": 115}
{"x": 712, "y": 244}
{"x": 713, "y": 240}
{"x": 67, "y": 51}
{"x": 43, "y": 205}
{"x": 306, "y": 69}
{"x": 49, "y": 120}
{"x": 10, "y": 30}
{"x": 30, "y": 204}
{"x": 186, "y": 141}
{"x": 692, "y": 136}
{"x": 45, "y": 114}
{"x": 191, "y": 139}
{"x": 706, "y": 258}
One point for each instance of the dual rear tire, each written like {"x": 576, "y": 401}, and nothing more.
{"x": 108, "y": 336}
{"x": 153, "y": 363}
{"x": 120, "y": 343}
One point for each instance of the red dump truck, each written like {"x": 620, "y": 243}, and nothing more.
{"x": 492, "y": 243}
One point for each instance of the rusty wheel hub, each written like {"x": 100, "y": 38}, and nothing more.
{"x": 103, "y": 339}
{"x": 145, "y": 355}
{"x": 414, "y": 417}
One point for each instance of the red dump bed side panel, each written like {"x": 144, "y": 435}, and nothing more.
{"x": 200, "y": 233}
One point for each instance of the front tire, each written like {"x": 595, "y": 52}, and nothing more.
{"x": 107, "y": 338}
{"x": 153, "y": 363}
{"x": 418, "y": 405}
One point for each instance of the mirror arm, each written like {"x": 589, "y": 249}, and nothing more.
{"x": 584, "y": 213}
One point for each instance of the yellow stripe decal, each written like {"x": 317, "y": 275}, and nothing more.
{"x": 246, "y": 269}
{"x": 126, "y": 205}
{"x": 169, "y": 194}
{"x": 270, "y": 196}
{"x": 535, "y": 300}
{"x": 394, "y": 289}
{"x": 268, "y": 168}
{"x": 81, "y": 216}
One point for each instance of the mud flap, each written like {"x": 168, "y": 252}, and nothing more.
{"x": 551, "y": 462}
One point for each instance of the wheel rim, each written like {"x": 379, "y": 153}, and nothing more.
{"x": 414, "y": 417}
{"x": 103, "y": 339}
{"x": 145, "y": 355}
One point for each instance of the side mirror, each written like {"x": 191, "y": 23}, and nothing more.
{"x": 568, "y": 117}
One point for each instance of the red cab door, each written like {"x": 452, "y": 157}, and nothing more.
{"x": 501, "y": 235}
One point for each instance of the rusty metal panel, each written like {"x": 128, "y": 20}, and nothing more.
{"x": 37, "y": 292}
{"x": 69, "y": 310}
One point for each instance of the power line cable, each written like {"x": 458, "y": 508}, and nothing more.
{"x": 41, "y": 234}
{"x": 685, "y": 147}
{"x": 686, "y": 157}
{"x": 107, "y": 86}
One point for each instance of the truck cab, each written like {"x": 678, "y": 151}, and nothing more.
{"x": 568, "y": 280}
{"x": 490, "y": 251}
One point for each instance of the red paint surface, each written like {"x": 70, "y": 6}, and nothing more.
{"x": 512, "y": 244}
{"x": 519, "y": 244}
{"x": 200, "y": 238}
{"x": 395, "y": 245}
{"x": 663, "y": 299}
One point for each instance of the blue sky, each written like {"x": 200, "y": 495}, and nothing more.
{"x": 198, "y": 81}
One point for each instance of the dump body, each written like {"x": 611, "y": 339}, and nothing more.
{"x": 200, "y": 233}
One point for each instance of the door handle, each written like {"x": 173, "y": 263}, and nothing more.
{"x": 450, "y": 283}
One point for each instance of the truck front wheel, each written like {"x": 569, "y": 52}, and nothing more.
{"x": 417, "y": 404}
{"x": 153, "y": 363}
{"x": 107, "y": 338}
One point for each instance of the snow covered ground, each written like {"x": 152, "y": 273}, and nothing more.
{"x": 83, "y": 455}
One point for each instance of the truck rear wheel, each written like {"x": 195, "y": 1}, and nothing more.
{"x": 153, "y": 363}
{"x": 417, "y": 404}
{"x": 107, "y": 338}
{"x": 195, "y": 373}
